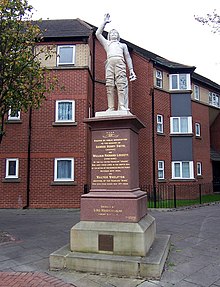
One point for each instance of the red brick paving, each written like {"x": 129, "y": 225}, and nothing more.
{"x": 30, "y": 279}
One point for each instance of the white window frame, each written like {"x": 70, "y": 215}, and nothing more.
{"x": 214, "y": 99}
{"x": 178, "y": 80}
{"x": 13, "y": 118}
{"x": 7, "y": 174}
{"x": 196, "y": 92}
{"x": 198, "y": 129}
{"x": 179, "y": 119}
{"x": 90, "y": 112}
{"x": 199, "y": 168}
{"x": 180, "y": 163}
{"x": 159, "y": 78}
{"x": 159, "y": 123}
{"x": 57, "y": 112}
{"x": 59, "y": 51}
{"x": 160, "y": 168}
{"x": 56, "y": 171}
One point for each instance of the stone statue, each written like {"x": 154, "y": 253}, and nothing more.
{"x": 115, "y": 68}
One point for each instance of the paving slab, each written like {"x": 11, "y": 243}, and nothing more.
{"x": 194, "y": 257}
{"x": 26, "y": 279}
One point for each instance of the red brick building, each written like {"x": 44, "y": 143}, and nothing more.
{"x": 45, "y": 155}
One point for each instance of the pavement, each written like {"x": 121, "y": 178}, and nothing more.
{"x": 28, "y": 237}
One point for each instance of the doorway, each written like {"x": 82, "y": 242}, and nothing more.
{"x": 216, "y": 176}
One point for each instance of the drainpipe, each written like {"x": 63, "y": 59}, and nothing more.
{"x": 28, "y": 161}
{"x": 153, "y": 149}
{"x": 93, "y": 76}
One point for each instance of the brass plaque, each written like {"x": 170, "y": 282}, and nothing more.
{"x": 106, "y": 242}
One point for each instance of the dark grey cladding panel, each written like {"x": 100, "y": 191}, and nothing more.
{"x": 181, "y": 105}
{"x": 182, "y": 149}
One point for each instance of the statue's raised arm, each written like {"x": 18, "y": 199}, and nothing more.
{"x": 100, "y": 30}
{"x": 117, "y": 58}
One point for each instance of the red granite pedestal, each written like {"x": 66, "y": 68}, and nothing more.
{"x": 115, "y": 194}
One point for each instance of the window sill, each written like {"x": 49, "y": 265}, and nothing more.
{"x": 11, "y": 180}
{"x": 183, "y": 179}
{"x": 180, "y": 91}
{"x": 14, "y": 122}
{"x": 160, "y": 134}
{"x": 198, "y": 137}
{"x": 182, "y": 135}
{"x": 67, "y": 65}
{"x": 61, "y": 124}
{"x": 58, "y": 183}
{"x": 159, "y": 88}
{"x": 161, "y": 180}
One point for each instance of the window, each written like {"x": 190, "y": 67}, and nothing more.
{"x": 160, "y": 169}
{"x": 180, "y": 82}
{"x": 198, "y": 129}
{"x": 65, "y": 111}
{"x": 199, "y": 168}
{"x": 181, "y": 125}
{"x": 14, "y": 115}
{"x": 182, "y": 170}
{"x": 159, "y": 79}
{"x": 66, "y": 55}
{"x": 11, "y": 168}
{"x": 213, "y": 99}
{"x": 196, "y": 93}
{"x": 159, "y": 123}
{"x": 64, "y": 169}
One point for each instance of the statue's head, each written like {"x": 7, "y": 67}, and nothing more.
{"x": 113, "y": 35}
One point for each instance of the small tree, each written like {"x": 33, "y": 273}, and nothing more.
{"x": 212, "y": 20}
{"x": 23, "y": 81}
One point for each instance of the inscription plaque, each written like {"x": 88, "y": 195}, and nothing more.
{"x": 106, "y": 242}
{"x": 110, "y": 160}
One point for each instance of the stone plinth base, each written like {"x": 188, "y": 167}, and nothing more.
{"x": 117, "y": 238}
{"x": 149, "y": 266}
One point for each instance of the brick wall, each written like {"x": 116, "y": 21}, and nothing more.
{"x": 59, "y": 142}
{"x": 14, "y": 145}
{"x": 140, "y": 104}
{"x": 215, "y": 135}
{"x": 100, "y": 89}
{"x": 48, "y": 141}
{"x": 201, "y": 145}
{"x": 163, "y": 141}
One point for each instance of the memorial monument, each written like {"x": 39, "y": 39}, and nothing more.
{"x": 115, "y": 235}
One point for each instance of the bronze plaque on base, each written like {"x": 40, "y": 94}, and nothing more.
{"x": 106, "y": 242}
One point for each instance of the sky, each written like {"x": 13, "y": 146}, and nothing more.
{"x": 164, "y": 27}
